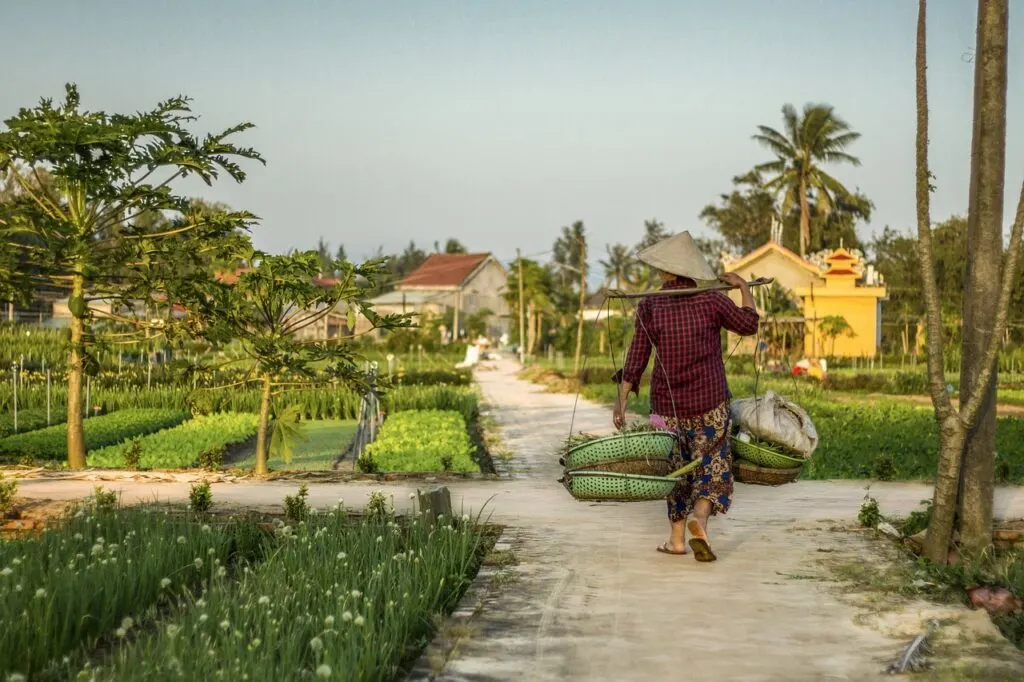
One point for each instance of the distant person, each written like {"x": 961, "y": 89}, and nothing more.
{"x": 689, "y": 393}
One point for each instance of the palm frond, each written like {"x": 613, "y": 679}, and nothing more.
{"x": 287, "y": 431}
{"x": 775, "y": 141}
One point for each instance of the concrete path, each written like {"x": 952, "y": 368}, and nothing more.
{"x": 590, "y": 599}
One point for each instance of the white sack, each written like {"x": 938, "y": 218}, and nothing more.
{"x": 776, "y": 420}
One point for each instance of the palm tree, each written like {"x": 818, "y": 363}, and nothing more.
{"x": 619, "y": 267}
{"x": 818, "y": 136}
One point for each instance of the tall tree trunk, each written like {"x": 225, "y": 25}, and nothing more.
{"x": 76, "y": 373}
{"x": 984, "y": 257}
{"x": 264, "y": 427}
{"x": 805, "y": 218}
{"x": 951, "y": 433}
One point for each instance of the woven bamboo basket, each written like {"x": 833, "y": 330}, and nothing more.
{"x": 606, "y": 486}
{"x": 748, "y": 472}
{"x": 641, "y": 467}
{"x": 764, "y": 457}
{"x": 641, "y": 445}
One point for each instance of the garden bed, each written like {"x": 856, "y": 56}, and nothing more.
{"x": 182, "y": 446}
{"x": 334, "y": 597}
{"x": 110, "y": 429}
{"x": 420, "y": 441}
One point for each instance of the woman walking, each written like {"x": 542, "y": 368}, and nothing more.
{"x": 689, "y": 393}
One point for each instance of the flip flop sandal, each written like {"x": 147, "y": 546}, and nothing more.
{"x": 699, "y": 543}
{"x": 664, "y": 549}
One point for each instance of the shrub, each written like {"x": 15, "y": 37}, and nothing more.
{"x": 200, "y": 497}
{"x": 132, "y": 455}
{"x": 296, "y": 508}
{"x": 8, "y": 488}
{"x": 212, "y": 458}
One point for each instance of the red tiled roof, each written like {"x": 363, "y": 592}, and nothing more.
{"x": 840, "y": 256}
{"x": 229, "y": 277}
{"x": 444, "y": 270}
{"x": 841, "y": 271}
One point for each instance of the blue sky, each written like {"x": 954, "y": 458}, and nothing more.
{"x": 499, "y": 122}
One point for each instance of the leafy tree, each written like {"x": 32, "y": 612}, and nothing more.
{"x": 323, "y": 252}
{"x": 620, "y": 266}
{"x": 816, "y": 137}
{"x": 834, "y": 326}
{"x": 964, "y": 486}
{"x": 266, "y": 310}
{"x": 454, "y": 246}
{"x": 340, "y": 253}
{"x": 537, "y": 287}
{"x": 109, "y": 169}
{"x": 744, "y": 216}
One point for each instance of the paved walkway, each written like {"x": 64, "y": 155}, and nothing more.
{"x": 592, "y": 600}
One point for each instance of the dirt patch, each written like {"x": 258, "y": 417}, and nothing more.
{"x": 896, "y": 598}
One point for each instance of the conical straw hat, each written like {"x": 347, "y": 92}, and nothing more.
{"x": 678, "y": 255}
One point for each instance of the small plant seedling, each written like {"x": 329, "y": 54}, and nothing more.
{"x": 378, "y": 509}
{"x": 200, "y": 498}
{"x": 133, "y": 455}
{"x": 103, "y": 500}
{"x": 870, "y": 515}
{"x": 296, "y": 508}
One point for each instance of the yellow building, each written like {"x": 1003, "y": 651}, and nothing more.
{"x": 842, "y": 297}
{"x": 840, "y": 287}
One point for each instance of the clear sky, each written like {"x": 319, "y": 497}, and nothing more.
{"x": 498, "y": 122}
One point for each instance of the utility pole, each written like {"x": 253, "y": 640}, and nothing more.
{"x": 458, "y": 305}
{"x": 583, "y": 300}
{"x": 522, "y": 322}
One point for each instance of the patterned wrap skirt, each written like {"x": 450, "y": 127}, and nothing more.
{"x": 704, "y": 438}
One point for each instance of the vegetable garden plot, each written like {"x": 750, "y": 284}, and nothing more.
{"x": 29, "y": 420}
{"x": 421, "y": 440}
{"x": 94, "y": 578}
{"x": 109, "y": 429}
{"x": 180, "y": 447}
{"x": 333, "y": 600}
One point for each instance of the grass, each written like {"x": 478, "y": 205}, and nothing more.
{"x": 878, "y": 439}
{"x": 325, "y": 441}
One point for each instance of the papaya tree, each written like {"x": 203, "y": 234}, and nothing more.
{"x": 84, "y": 232}
{"x": 267, "y": 308}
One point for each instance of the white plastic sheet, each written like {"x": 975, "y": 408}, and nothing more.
{"x": 776, "y": 420}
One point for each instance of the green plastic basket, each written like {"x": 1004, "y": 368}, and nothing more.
{"x": 603, "y": 486}
{"x": 643, "y": 445}
{"x": 756, "y": 454}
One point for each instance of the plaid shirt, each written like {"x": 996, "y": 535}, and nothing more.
{"x": 688, "y": 378}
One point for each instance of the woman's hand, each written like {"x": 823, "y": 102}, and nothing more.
{"x": 619, "y": 414}
{"x": 734, "y": 280}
